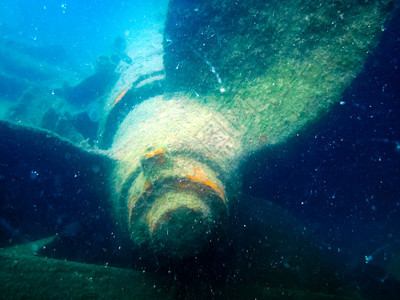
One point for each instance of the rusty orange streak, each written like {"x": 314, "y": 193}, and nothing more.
{"x": 119, "y": 97}
{"x": 211, "y": 184}
{"x": 151, "y": 154}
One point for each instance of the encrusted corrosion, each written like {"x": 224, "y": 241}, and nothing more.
{"x": 176, "y": 204}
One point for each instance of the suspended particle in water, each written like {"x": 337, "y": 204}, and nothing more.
{"x": 368, "y": 258}
{"x": 33, "y": 175}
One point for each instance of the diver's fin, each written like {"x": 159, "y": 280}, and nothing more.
{"x": 49, "y": 186}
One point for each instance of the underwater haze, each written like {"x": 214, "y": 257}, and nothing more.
{"x": 77, "y": 31}
{"x": 200, "y": 149}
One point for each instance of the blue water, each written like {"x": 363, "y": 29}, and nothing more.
{"x": 84, "y": 29}
{"x": 343, "y": 176}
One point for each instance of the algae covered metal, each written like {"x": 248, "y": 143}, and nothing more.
{"x": 230, "y": 91}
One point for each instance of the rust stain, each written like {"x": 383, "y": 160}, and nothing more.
{"x": 119, "y": 97}
{"x": 156, "y": 152}
{"x": 199, "y": 173}
{"x": 181, "y": 185}
{"x": 209, "y": 183}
